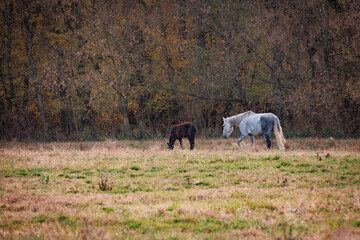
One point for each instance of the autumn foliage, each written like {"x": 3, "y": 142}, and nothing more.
{"x": 111, "y": 69}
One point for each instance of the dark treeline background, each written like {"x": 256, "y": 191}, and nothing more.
{"x": 95, "y": 69}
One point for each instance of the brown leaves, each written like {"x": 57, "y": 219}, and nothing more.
{"x": 94, "y": 59}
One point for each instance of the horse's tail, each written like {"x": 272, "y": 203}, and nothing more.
{"x": 281, "y": 141}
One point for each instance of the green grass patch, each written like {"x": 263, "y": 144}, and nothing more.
{"x": 201, "y": 183}
{"x": 40, "y": 219}
{"x": 212, "y": 192}
{"x": 107, "y": 210}
{"x": 134, "y": 224}
{"x": 135, "y": 168}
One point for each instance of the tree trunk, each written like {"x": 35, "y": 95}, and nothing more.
{"x": 124, "y": 112}
{"x": 34, "y": 75}
{"x": 9, "y": 63}
{"x": 276, "y": 78}
{"x": 42, "y": 112}
{"x": 123, "y": 84}
{"x": 182, "y": 24}
{"x": 201, "y": 36}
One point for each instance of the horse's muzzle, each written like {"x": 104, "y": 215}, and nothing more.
{"x": 224, "y": 136}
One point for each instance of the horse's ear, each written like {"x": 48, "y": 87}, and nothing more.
{"x": 223, "y": 119}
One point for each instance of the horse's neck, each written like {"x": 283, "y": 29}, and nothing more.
{"x": 236, "y": 120}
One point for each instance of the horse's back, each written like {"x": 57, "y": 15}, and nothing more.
{"x": 255, "y": 123}
{"x": 268, "y": 116}
{"x": 185, "y": 125}
{"x": 186, "y": 129}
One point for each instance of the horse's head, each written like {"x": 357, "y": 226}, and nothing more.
{"x": 227, "y": 128}
{"x": 171, "y": 143}
{"x": 171, "y": 146}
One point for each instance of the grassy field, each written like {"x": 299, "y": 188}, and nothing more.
{"x": 140, "y": 190}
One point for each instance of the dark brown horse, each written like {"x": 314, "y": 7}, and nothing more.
{"x": 183, "y": 130}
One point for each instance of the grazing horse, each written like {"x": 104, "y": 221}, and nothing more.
{"x": 251, "y": 124}
{"x": 180, "y": 131}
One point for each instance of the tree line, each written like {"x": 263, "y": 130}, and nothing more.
{"x": 97, "y": 69}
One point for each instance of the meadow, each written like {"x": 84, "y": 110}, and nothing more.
{"x": 140, "y": 190}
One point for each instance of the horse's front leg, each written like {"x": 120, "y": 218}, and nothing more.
{"x": 180, "y": 140}
{"x": 240, "y": 139}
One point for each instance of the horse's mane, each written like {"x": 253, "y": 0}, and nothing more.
{"x": 248, "y": 113}
{"x": 180, "y": 124}
{"x": 238, "y": 118}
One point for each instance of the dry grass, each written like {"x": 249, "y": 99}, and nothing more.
{"x": 139, "y": 189}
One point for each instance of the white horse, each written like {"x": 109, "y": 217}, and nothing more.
{"x": 251, "y": 124}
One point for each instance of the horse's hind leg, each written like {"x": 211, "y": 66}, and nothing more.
{"x": 180, "y": 140}
{"x": 191, "y": 140}
{"x": 266, "y": 127}
{"x": 267, "y": 139}
{"x": 240, "y": 139}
